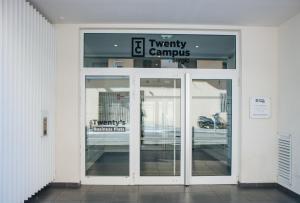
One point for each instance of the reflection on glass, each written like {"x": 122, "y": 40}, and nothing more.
{"x": 160, "y": 127}
{"x": 107, "y": 126}
{"x": 211, "y": 121}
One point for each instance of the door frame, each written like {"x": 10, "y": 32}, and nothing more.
{"x": 134, "y": 177}
{"x": 104, "y": 180}
{"x": 186, "y": 77}
{"x": 159, "y": 180}
{"x": 233, "y": 178}
{"x": 188, "y": 74}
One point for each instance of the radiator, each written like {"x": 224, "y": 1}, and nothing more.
{"x": 285, "y": 159}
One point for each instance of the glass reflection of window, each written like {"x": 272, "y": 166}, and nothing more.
{"x": 160, "y": 132}
{"x": 107, "y": 126}
{"x": 211, "y": 127}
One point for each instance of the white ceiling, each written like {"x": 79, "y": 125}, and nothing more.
{"x": 221, "y": 12}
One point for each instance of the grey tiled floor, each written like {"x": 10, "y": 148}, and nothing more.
{"x": 163, "y": 194}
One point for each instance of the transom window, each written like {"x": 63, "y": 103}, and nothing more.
{"x": 127, "y": 50}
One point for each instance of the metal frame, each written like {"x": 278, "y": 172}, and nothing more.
{"x": 233, "y": 178}
{"x": 151, "y": 180}
{"x": 186, "y": 75}
{"x": 105, "y": 180}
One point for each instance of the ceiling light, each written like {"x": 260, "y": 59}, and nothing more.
{"x": 166, "y": 36}
{"x": 115, "y": 45}
{"x": 197, "y": 46}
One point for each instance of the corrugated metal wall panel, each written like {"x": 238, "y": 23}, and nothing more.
{"x": 27, "y": 87}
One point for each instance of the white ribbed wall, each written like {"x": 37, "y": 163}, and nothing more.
{"x": 27, "y": 88}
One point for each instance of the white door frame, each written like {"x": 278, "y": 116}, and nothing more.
{"x": 157, "y": 180}
{"x": 233, "y": 178}
{"x": 134, "y": 177}
{"x": 105, "y": 180}
{"x": 134, "y": 139}
{"x": 186, "y": 77}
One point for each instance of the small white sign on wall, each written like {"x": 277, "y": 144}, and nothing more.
{"x": 260, "y": 107}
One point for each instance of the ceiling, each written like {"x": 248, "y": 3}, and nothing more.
{"x": 215, "y": 12}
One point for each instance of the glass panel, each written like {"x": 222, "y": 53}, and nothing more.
{"x": 211, "y": 122}
{"x": 118, "y": 50}
{"x": 107, "y": 126}
{"x": 160, "y": 127}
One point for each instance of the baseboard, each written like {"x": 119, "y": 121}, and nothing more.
{"x": 54, "y": 185}
{"x": 288, "y": 191}
{"x": 64, "y": 185}
{"x": 258, "y": 185}
{"x": 270, "y": 185}
{"x": 37, "y": 193}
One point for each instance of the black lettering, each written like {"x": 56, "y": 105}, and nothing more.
{"x": 152, "y": 42}
{"x": 187, "y": 53}
{"x": 159, "y": 53}
{"x": 138, "y": 48}
{"x": 183, "y": 45}
{"x": 167, "y": 53}
{"x": 172, "y": 44}
{"x": 152, "y": 51}
{"x": 159, "y": 43}
{"x": 174, "y": 53}
{"x": 101, "y": 123}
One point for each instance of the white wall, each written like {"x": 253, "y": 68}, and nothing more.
{"x": 289, "y": 94}
{"x": 27, "y": 61}
{"x": 259, "y": 78}
{"x": 67, "y": 142}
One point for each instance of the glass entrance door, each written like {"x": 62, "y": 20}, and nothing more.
{"x": 210, "y": 132}
{"x": 161, "y": 133}
{"x": 166, "y": 128}
{"x": 107, "y": 128}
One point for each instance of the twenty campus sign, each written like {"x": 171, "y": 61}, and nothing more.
{"x": 159, "y": 48}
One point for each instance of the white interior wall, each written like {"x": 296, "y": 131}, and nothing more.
{"x": 259, "y": 74}
{"x": 67, "y": 142}
{"x": 258, "y": 78}
{"x": 27, "y": 61}
{"x": 289, "y": 96}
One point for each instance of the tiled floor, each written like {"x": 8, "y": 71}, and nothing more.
{"x": 163, "y": 194}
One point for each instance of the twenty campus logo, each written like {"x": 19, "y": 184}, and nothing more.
{"x": 138, "y": 47}
{"x": 159, "y": 48}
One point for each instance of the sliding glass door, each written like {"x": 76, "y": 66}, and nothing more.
{"x": 161, "y": 133}
{"x": 210, "y": 131}
{"x": 166, "y": 128}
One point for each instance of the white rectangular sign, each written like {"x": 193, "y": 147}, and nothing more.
{"x": 260, "y": 107}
